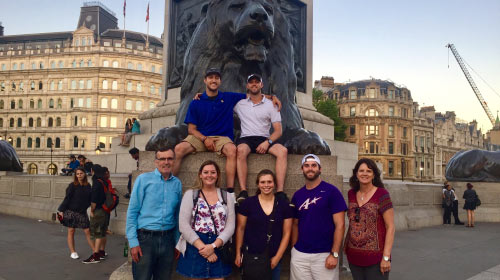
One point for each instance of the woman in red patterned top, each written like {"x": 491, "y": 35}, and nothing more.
{"x": 370, "y": 236}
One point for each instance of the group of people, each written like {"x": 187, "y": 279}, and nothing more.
{"x": 72, "y": 213}
{"x": 197, "y": 227}
{"x": 132, "y": 127}
{"x": 74, "y": 163}
{"x": 450, "y": 204}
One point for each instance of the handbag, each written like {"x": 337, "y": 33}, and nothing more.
{"x": 478, "y": 201}
{"x": 226, "y": 251}
{"x": 258, "y": 266}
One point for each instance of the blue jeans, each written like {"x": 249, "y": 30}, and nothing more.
{"x": 276, "y": 271}
{"x": 157, "y": 255}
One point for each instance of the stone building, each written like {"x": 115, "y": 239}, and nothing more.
{"x": 423, "y": 131}
{"x": 379, "y": 116}
{"x": 70, "y": 92}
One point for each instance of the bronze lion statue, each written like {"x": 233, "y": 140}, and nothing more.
{"x": 241, "y": 38}
{"x": 9, "y": 161}
{"x": 474, "y": 166}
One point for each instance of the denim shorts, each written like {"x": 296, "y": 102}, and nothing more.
{"x": 193, "y": 265}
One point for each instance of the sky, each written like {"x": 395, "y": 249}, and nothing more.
{"x": 400, "y": 40}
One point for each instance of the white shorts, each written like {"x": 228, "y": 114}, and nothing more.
{"x": 305, "y": 266}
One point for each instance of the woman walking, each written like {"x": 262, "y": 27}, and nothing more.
{"x": 264, "y": 229}
{"x": 470, "y": 204}
{"x": 73, "y": 209}
{"x": 370, "y": 235}
{"x": 206, "y": 223}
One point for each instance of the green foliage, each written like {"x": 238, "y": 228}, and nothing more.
{"x": 328, "y": 107}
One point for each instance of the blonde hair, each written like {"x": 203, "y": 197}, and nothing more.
{"x": 199, "y": 183}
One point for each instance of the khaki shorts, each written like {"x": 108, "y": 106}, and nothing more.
{"x": 99, "y": 224}
{"x": 198, "y": 146}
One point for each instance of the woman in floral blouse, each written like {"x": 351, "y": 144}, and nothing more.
{"x": 370, "y": 235}
{"x": 206, "y": 223}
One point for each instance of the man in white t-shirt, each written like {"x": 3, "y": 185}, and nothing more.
{"x": 257, "y": 114}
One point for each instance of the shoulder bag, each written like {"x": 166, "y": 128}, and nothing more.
{"x": 258, "y": 266}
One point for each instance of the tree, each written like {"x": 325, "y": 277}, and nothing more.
{"x": 329, "y": 108}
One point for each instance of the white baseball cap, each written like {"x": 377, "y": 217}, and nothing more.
{"x": 311, "y": 157}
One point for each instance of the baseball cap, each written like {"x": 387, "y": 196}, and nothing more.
{"x": 254, "y": 76}
{"x": 311, "y": 157}
{"x": 211, "y": 71}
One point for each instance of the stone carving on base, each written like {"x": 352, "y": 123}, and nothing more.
{"x": 474, "y": 166}
{"x": 9, "y": 161}
{"x": 240, "y": 38}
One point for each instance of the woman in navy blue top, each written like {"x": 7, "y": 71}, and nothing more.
{"x": 253, "y": 218}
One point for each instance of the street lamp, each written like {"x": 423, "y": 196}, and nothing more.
{"x": 51, "y": 162}
{"x": 421, "y": 173}
{"x": 402, "y": 169}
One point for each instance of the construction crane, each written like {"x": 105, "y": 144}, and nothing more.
{"x": 471, "y": 82}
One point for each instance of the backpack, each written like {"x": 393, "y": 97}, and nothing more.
{"x": 112, "y": 198}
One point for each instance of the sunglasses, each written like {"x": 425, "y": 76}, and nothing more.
{"x": 357, "y": 210}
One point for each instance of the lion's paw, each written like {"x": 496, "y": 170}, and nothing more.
{"x": 301, "y": 141}
{"x": 167, "y": 138}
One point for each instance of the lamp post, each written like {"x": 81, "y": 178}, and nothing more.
{"x": 98, "y": 150}
{"x": 51, "y": 163}
{"x": 421, "y": 173}
{"x": 402, "y": 169}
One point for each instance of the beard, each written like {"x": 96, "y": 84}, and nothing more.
{"x": 314, "y": 177}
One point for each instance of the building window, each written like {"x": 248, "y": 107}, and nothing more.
{"x": 59, "y": 103}
{"x": 75, "y": 142}
{"x": 104, "y": 121}
{"x": 105, "y": 84}
{"x": 138, "y": 105}
{"x": 371, "y": 147}
{"x": 58, "y": 121}
{"x": 114, "y": 103}
{"x": 130, "y": 65}
{"x": 22, "y": 66}
{"x": 89, "y": 102}
{"x": 139, "y": 87}
{"x": 40, "y": 85}
{"x": 115, "y": 64}
{"x": 352, "y": 94}
{"x": 81, "y": 84}
{"x": 82, "y": 64}
{"x": 152, "y": 89}
{"x": 89, "y": 62}
{"x": 151, "y": 105}
{"x": 60, "y": 85}
{"x": 11, "y": 122}
{"x": 89, "y": 84}
{"x": 391, "y": 131}
{"x": 52, "y": 169}
{"x": 1, "y": 122}
{"x": 14, "y": 66}
{"x": 20, "y": 104}
{"x": 73, "y": 64}
{"x": 139, "y": 66}
{"x": 391, "y": 148}
{"x": 391, "y": 168}
{"x": 51, "y": 103}
{"x": 73, "y": 84}
{"x": 33, "y": 65}
{"x": 129, "y": 86}
{"x": 1, "y": 104}
{"x": 76, "y": 121}
{"x": 104, "y": 103}
{"x": 32, "y": 169}
{"x": 372, "y": 93}
{"x": 84, "y": 121}
{"x": 39, "y": 104}
{"x": 391, "y": 111}
{"x": 2, "y": 86}
{"x": 105, "y": 63}
{"x": 38, "y": 122}
{"x": 404, "y": 149}
{"x": 18, "y": 142}
{"x": 153, "y": 68}
{"x": 114, "y": 85}
{"x": 405, "y": 132}
{"x": 51, "y": 122}
{"x": 371, "y": 130}
{"x": 61, "y": 64}
{"x": 352, "y": 111}
{"x": 128, "y": 105}
{"x": 52, "y": 85}
{"x": 352, "y": 130}
{"x": 102, "y": 142}
{"x": 49, "y": 142}
{"x": 80, "y": 102}
{"x": 58, "y": 142}
{"x": 37, "y": 142}
{"x": 19, "y": 122}
{"x": 30, "y": 142}
{"x": 391, "y": 94}
{"x": 32, "y": 85}
{"x": 404, "y": 113}
{"x": 112, "y": 122}
{"x": 3, "y": 67}
{"x": 371, "y": 112}
{"x": 12, "y": 104}
{"x": 21, "y": 86}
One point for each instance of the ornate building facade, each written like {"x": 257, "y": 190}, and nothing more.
{"x": 67, "y": 93}
{"x": 380, "y": 120}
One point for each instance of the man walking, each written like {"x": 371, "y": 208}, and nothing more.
{"x": 318, "y": 226}
{"x": 257, "y": 114}
{"x": 152, "y": 219}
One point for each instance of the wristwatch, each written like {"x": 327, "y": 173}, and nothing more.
{"x": 214, "y": 246}
{"x": 269, "y": 141}
{"x": 334, "y": 254}
{"x": 386, "y": 258}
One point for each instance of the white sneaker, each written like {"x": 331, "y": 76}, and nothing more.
{"x": 74, "y": 255}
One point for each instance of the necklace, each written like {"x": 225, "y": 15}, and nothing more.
{"x": 363, "y": 194}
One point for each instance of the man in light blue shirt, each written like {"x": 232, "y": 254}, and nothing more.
{"x": 152, "y": 219}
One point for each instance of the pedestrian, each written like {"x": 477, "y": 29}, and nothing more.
{"x": 128, "y": 128}
{"x": 370, "y": 235}
{"x": 263, "y": 231}
{"x": 99, "y": 219}
{"x": 134, "y": 153}
{"x": 210, "y": 125}
{"x": 454, "y": 209}
{"x": 318, "y": 226}
{"x": 73, "y": 209}
{"x": 206, "y": 222}
{"x": 448, "y": 198}
{"x": 257, "y": 115}
{"x": 152, "y": 219}
{"x": 470, "y": 204}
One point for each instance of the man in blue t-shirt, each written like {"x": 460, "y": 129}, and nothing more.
{"x": 318, "y": 226}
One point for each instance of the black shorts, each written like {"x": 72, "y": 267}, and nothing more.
{"x": 253, "y": 142}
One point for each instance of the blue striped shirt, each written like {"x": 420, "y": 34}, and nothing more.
{"x": 154, "y": 205}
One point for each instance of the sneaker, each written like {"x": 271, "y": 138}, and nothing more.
{"x": 102, "y": 254}
{"x": 94, "y": 258}
{"x": 74, "y": 255}
{"x": 242, "y": 196}
{"x": 282, "y": 196}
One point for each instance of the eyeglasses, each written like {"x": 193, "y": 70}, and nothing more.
{"x": 165, "y": 159}
{"x": 357, "y": 217}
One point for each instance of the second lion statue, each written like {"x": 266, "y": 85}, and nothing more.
{"x": 241, "y": 38}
